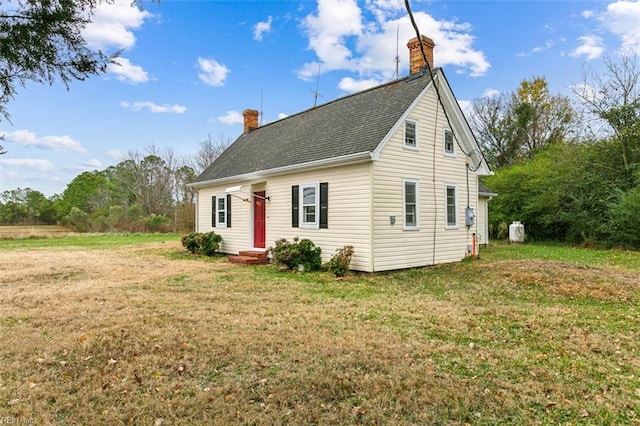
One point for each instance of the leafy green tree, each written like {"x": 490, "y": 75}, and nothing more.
{"x": 517, "y": 125}
{"x": 613, "y": 99}
{"x": 87, "y": 192}
{"x": 41, "y": 41}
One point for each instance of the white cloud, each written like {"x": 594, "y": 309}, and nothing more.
{"x": 93, "y": 164}
{"x": 591, "y": 47}
{"x": 115, "y": 154}
{"x": 36, "y": 165}
{"x": 153, "y": 107}
{"x": 231, "y": 117}
{"x": 52, "y": 143}
{"x": 466, "y": 107}
{"x": 212, "y": 72}
{"x": 111, "y": 25}
{"x": 127, "y": 72}
{"x": 282, "y": 115}
{"x": 622, "y": 18}
{"x": 548, "y": 45}
{"x": 328, "y": 32}
{"x": 351, "y": 85}
{"x": 490, "y": 93}
{"x": 261, "y": 28}
{"x": 587, "y": 14}
{"x": 344, "y": 39}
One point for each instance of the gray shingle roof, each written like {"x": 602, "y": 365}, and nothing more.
{"x": 484, "y": 190}
{"x": 347, "y": 126}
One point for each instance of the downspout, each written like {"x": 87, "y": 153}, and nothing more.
{"x": 371, "y": 224}
{"x": 197, "y": 213}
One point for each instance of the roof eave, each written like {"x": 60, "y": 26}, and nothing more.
{"x": 311, "y": 165}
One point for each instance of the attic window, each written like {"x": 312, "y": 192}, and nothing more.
{"x": 449, "y": 147}
{"x": 410, "y": 134}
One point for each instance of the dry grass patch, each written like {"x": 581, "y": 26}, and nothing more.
{"x": 143, "y": 334}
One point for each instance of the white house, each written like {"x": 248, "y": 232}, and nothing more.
{"x": 392, "y": 171}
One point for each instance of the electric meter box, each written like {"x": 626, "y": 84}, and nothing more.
{"x": 469, "y": 216}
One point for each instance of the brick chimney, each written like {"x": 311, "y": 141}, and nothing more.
{"x": 250, "y": 119}
{"x": 416, "y": 63}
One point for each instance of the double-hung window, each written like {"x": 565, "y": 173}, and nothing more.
{"x": 449, "y": 144}
{"x": 452, "y": 220}
{"x": 410, "y": 204}
{"x": 310, "y": 205}
{"x": 222, "y": 211}
{"x": 410, "y": 134}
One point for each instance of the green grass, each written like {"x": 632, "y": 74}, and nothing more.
{"x": 87, "y": 240}
{"x": 562, "y": 253}
{"x": 529, "y": 334}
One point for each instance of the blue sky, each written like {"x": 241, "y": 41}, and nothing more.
{"x": 189, "y": 69}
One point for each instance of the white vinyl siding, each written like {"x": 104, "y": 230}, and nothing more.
{"x": 482, "y": 220}
{"x": 393, "y": 247}
{"x": 349, "y": 212}
{"x": 235, "y": 238}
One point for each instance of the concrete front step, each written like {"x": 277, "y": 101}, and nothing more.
{"x": 250, "y": 258}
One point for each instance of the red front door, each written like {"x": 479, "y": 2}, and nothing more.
{"x": 259, "y": 215}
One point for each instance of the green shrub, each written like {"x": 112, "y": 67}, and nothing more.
{"x": 625, "y": 220}
{"x": 78, "y": 220}
{"x": 206, "y": 244}
{"x": 340, "y": 261}
{"x": 157, "y": 223}
{"x": 299, "y": 254}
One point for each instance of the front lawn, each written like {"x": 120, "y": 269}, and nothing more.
{"x": 139, "y": 333}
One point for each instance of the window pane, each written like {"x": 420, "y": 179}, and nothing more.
{"x": 410, "y": 216}
{"x": 310, "y": 214}
{"x": 448, "y": 141}
{"x": 410, "y": 204}
{"x": 410, "y": 133}
{"x": 451, "y": 206}
{"x": 221, "y": 217}
{"x": 410, "y": 192}
{"x": 309, "y": 195}
{"x": 221, "y": 203}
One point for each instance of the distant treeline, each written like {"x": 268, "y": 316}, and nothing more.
{"x": 144, "y": 193}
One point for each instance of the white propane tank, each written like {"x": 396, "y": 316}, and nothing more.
{"x": 516, "y": 232}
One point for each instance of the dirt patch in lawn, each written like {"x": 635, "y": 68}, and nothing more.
{"x": 570, "y": 280}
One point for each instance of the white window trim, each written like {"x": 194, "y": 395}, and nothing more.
{"x": 221, "y": 223}
{"x": 446, "y": 204}
{"x": 404, "y": 134}
{"x": 406, "y": 227}
{"x": 444, "y": 144}
{"x": 303, "y": 223}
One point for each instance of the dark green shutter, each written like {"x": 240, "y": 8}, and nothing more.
{"x": 228, "y": 210}
{"x": 295, "y": 209}
{"x": 324, "y": 205}
{"x": 213, "y": 211}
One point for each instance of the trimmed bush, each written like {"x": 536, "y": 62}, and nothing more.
{"x": 206, "y": 244}
{"x": 299, "y": 254}
{"x": 340, "y": 261}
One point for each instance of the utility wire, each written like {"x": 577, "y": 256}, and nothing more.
{"x": 424, "y": 58}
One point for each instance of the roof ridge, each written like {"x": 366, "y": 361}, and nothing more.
{"x": 350, "y": 95}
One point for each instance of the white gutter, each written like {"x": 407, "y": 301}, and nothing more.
{"x": 327, "y": 162}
